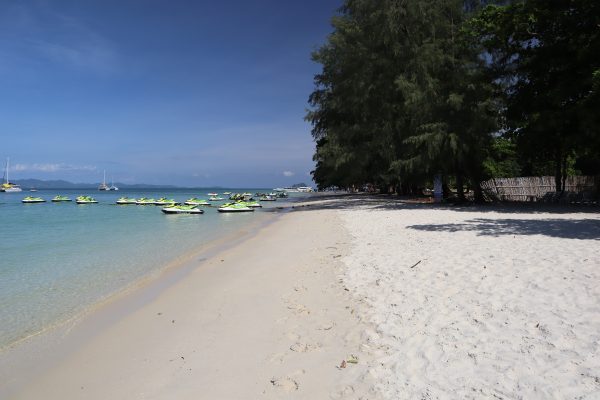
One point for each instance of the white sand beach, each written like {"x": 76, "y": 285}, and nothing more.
{"x": 413, "y": 301}
{"x": 476, "y": 303}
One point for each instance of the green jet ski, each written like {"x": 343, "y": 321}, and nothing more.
{"x": 182, "y": 209}
{"x": 144, "y": 201}
{"x": 235, "y": 207}
{"x": 85, "y": 200}
{"x": 30, "y": 199}
{"x": 125, "y": 200}
{"x": 59, "y": 198}
{"x": 163, "y": 201}
{"x": 194, "y": 201}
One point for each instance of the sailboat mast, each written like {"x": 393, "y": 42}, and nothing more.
{"x": 6, "y": 172}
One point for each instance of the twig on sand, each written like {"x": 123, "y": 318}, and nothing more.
{"x": 414, "y": 265}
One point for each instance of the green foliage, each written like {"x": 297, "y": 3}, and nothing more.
{"x": 413, "y": 88}
{"x": 546, "y": 55}
{"x": 503, "y": 159}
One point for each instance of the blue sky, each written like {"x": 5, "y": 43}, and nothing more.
{"x": 190, "y": 93}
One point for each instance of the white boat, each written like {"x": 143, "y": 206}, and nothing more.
{"x": 103, "y": 185}
{"x": 112, "y": 186}
{"x": 213, "y": 194}
{"x": 303, "y": 189}
{"x": 7, "y": 186}
{"x": 214, "y": 198}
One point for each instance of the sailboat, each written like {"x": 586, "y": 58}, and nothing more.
{"x": 7, "y": 186}
{"x": 112, "y": 186}
{"x": 103, "y": 185}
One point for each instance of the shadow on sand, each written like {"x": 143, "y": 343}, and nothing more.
{"x": 553, "y": 227}
{"x": 580, "y": 228}
{"x": 390, "y": 202}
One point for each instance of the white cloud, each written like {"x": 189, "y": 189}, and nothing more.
{"x": 288, "y": 173}
{"x": 53, "y": 167}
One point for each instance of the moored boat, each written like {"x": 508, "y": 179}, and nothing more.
{"x": 213, "y": 194}
{"x": 215, "y": 198}
{"x": 103, "y": 185}
{"x": 144, "y": 201}
{"x": 7, "y": 186}
{"x": 163, "y": 201}
{"x": 253, "y": 204}
{"x": 58, "y": 198}
{"x": 182, "y": 209}
{"x": 125, "y": 201}
{"x": 196, "y": 202}
{"x": 30, "y": 199}
{"x": 234, "y": 207}
{"x": 85, "y": 200}
{"x": 268, "y": 198}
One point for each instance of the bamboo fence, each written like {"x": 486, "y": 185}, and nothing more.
{"x": 542, "y": 188}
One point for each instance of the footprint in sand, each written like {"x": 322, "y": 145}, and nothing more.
{"x": 277, "y": 358}
{"x": 304, "y": 347}
{"x": 299, "y": 309}
{"x": 343, "y": 393}
{"x": 326, "y": 326}
{"x": 285, "y": 384}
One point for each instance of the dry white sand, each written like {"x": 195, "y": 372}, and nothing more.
{"x": 267, "y": 319}
{"x": 471, "y": 304}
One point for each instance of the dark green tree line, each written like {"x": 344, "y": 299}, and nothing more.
{"x": 413, "y": 88}
{"x": 546, "y": 54}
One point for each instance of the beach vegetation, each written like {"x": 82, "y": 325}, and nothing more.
{"x": 467, "y": 89}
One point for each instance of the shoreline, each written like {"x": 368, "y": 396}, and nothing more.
{"x": 75, "y": 341}
{"x": 153, "y": 277}
{"x": 114, "y": 306}
{"x": 439, "y": 301}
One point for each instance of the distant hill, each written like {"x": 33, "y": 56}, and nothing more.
{"x": 297, "y": 185}
{"x": 60, "y": 184}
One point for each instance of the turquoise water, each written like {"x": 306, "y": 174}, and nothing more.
{"x": 57, "y": 259}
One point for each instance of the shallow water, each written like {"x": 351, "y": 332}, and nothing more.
{"x": 57, "y": 259}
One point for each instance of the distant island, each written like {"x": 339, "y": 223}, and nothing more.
{"x": 61, "y": 184}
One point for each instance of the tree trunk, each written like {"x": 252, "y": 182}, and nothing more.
{"x": 460, "y": 190}
{"x": 445, "y": 189}
{"x": 564, "y": 172}
{"x": 558, "y": 170}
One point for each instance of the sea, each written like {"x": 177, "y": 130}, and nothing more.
{"x": 58, "y": 260}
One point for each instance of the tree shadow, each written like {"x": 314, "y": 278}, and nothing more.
{"x": 344, "y": 201}
{"x": 553, "y": 227}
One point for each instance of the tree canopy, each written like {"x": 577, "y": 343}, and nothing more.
{"x": 469, "y": 90}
